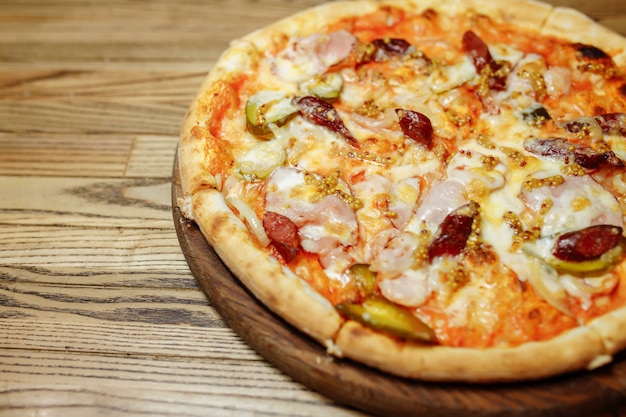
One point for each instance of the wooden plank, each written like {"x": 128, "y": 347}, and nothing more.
{"x": 43, "y": 331}
{"x": 182, "y": 35}
{"x": 152, "y": 156}
{"x": 64, "y": 155}
{"x": 96, "y": 155}
{"x": 615, "y": 22}
{"x": 73, "y": 303}
{"x": 96, "y": 202}
{"x": 130, "y": 102}
{"x": 90, "y": 117}
{"x": 133, "y": 86}
{"x": 147, "y": 385}
{"x": 598, "y": 9}
{"x": 89, "y": 256}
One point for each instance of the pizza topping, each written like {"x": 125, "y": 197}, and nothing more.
{"x": 492, "y": 73}
{"x": 326, "y": 86}
{"x": 454, "y": 232}
{"x": 585, "y": 253}
{"x": 397, "y": 253}
{"x": 558, "y": 81}
{"x": 402, "y": 200}
{"x": 612, "y": 124}
{"x": 480, "y": 173}
{"x": 587, "y": 244}
{"x": 267, "y": 108}
{"x": 250, "y": 217}
{"x": 536, "y": 116}
{"x": 383, "y": 315}
{"x": 331, "y": 185}
{"x": 261, "y": 160}
{"x": 283, "y": 234}
{"x": 571, "y": 205}
{"x": 584, "y": 127}
{"x": 391, "y": 47}
{"x": 380, "y": 50}
{"x": 569, "y": 152}
{"x": 413, "y": 287}
{"x": 445, "y": 78}
{"x": 537, "y": 81}
{"x": 305, "y": 57}
{"x": 441, "y": 199}
{"x": 364, "y": 278}
{"x": 416, "y": 127}
{"x": 324, "y": 219}
{"x": 592, "y": 268}
{"x": 324, "y": 114}
{"x": 543, "y": 278}
{"x": 478, "y": 50}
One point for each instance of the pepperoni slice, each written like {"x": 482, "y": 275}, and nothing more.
{"x": 478, "y": 50}
{"x": 453, "y": 232}
{"x": 416, "y": 126}
{"x": 561, "y": 149}
{"x": 587, "y": 244}
{"x": 383, "y": 49}
{"x": 324, "y": 114}
{"x": 391, "y": 47}
{"x": 283, "y": 233}
{"x": 612, "y": 123}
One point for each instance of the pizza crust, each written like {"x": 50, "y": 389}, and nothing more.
{"x": 294, "y": 300}
{"x": 577, "y": 27}
{"x": 580, "y": 348}
{"x": 612, "y": 329}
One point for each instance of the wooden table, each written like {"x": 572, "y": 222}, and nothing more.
{"x": 99, "y": 312}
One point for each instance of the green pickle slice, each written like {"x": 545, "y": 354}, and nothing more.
{"x": 380, "y": 314}
{"x": 266, "y": 108}
{"x": 591, "y": 266}
{"x": 364, "y": 278}
{"x": 326, "y": 87}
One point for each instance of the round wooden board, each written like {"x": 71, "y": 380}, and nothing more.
{"x": 581, "y": 394}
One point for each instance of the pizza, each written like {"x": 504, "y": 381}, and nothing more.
{"x": 435, "y": 189}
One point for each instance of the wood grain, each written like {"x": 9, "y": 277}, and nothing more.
{"x": 99, "y": 312}
{"x": 96, "y": 384}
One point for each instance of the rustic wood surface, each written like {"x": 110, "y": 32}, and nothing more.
{"x": 100, "y": 314}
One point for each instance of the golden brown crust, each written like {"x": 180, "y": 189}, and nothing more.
{"x": 612, "y": 329}
{"x": 577, "y": 27}
{"x": 294, "y": 300}
{"x": 579, "y": 348}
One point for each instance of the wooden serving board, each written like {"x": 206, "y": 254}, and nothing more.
{"x": 581, "y": 394}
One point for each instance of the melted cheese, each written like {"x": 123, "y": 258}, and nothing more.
{"x": 447, "y": 77}
{"x": 406, "y": 191}
{"x": 262, "y": 159}
{"x": 324, "y": 221}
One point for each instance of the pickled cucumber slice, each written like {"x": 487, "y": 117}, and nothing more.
{"x": 364, "y": 278}
{"x": 587, "y": 267}
{"x": 380, "y": 314}
{"x": 575, "y": 263}
{"x": 327, "y": 86}
{"x": 266, "y": 108}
